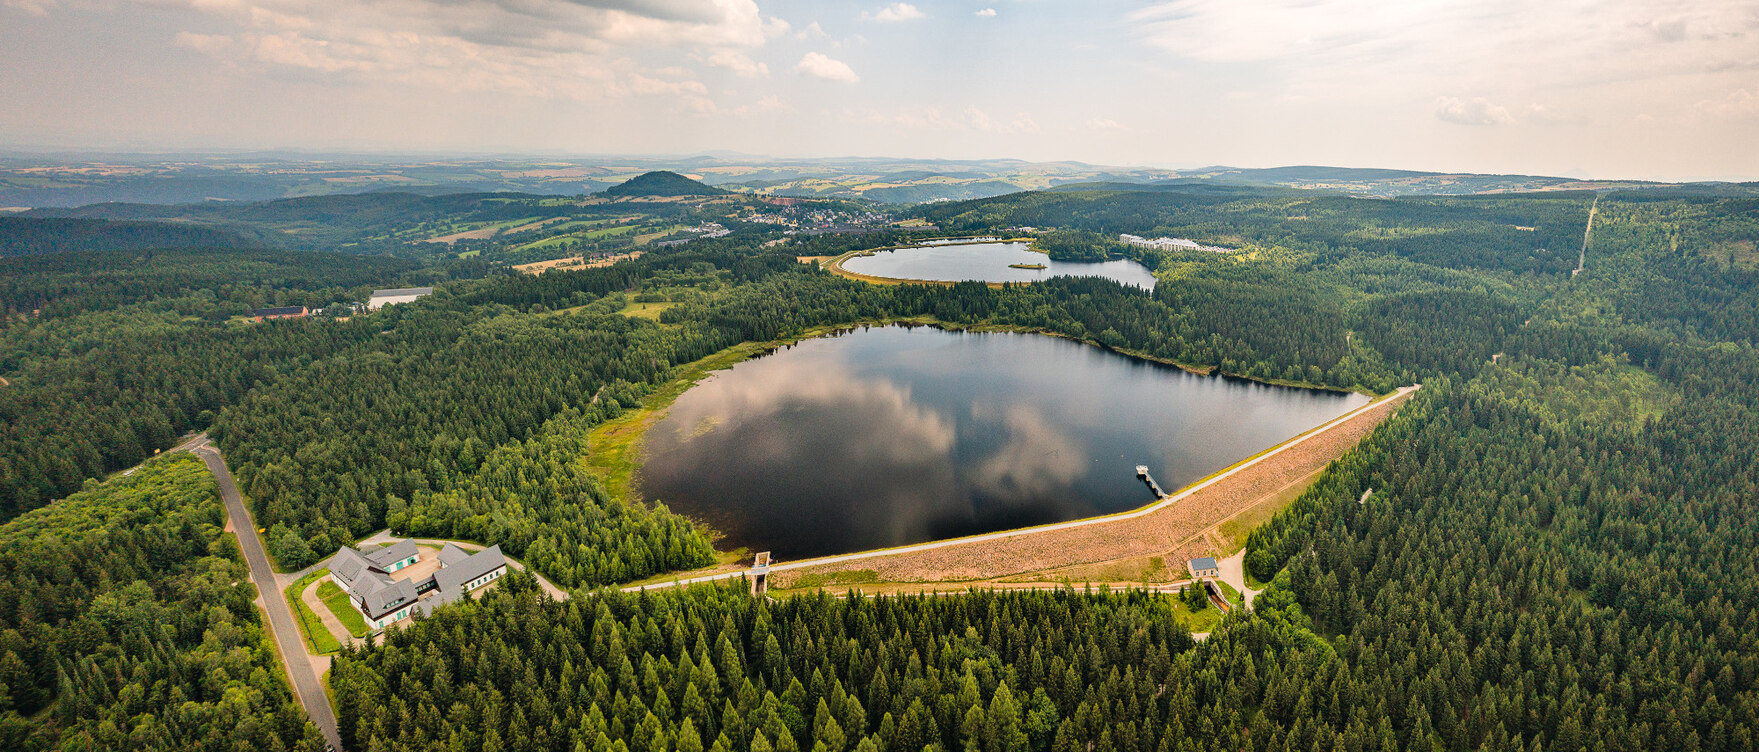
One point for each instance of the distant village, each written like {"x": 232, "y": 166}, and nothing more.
{"x": 1172, "y": 244}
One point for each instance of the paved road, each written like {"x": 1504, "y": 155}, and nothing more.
{"x": 1234, "y": 573}
{"x": 281, "y": 625}
{"x": 1150, "y": 509}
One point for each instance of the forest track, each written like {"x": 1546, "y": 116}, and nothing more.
{"x": 1149, "y": 530}
{"x": 306, "y": 685}
{"x": 1587, "y": 234}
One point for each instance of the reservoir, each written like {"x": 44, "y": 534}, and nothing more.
{"x": 990, "y": 262}
{"x": 888, "y": 436}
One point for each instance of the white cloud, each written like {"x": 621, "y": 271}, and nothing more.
{"x": 828, "y": 68}
{"x": 548, "y": 48}
{"x": 1539, "y": 114}
{"x": 986, "y": 13}
{"x": 737, "y": 62}
{"x": 38, "y": 8}
{"x": 1104, "y": 125}
{"x": 207, "y": 43}
{"x": 1740, "y": 103}
{"x": 1474, "y": 111}
{"x": 896, "y": 12}
{"x": 812, "y": 31}
{"x": 1368, "y": 46}
{"x": 972, "y": 119}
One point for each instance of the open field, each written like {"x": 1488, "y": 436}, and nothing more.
{"x": 488, "y": 231}
{"x": 539, "y": 267}
{"x": 649, "y": 311}
{"x": 622, "y": 226}
{"x": 1175, "y": 531}
{"x": 574, "y": 262}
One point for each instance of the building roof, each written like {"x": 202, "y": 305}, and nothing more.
{"x": 297, "y": 310}
{"x": 403, "y": 291}
{"x": 364, "y": 576}
{"x": 1207, "y": 562}
{"x": 388, "y": 555}
{"x": 451, "y": 554}
{"x": 384, "y": 595}
{"x": 453, "y": 576}
{"x": 348, "y": 566}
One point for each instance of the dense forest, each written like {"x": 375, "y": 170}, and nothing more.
{"x": 1554, "y": 546}
{"x": 714, "y": 669}
{"x": 32, "y": 236}
{"x": 109, "y": 355}
{"x": 126, "y": 623}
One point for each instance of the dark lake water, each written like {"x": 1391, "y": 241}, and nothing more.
{"x": 988, "y": 262}
{"x": 887, "y": 436}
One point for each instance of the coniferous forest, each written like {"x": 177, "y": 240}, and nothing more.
{"x": 1553, "y": 546}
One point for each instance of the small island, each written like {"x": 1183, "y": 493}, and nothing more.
{"x": 1026, "y": 266}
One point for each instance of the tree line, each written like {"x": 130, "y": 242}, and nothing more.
{"x": 126, "y": 622}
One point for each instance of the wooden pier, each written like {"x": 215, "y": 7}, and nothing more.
{"x": 1142, "y": 472}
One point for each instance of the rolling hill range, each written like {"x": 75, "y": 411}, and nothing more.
{"x": 79, "y": 180}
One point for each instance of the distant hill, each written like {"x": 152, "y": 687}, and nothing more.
{"x": 1388, "y": 183}
{"x": 662, "y": 183}
{"x": 1181, "y": 185}
{"x": 30, "y": 236}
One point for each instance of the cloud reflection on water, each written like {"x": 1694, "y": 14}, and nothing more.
{"x": 890, "y": 436}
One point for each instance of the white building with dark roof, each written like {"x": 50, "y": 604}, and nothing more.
{"x": 375, "y": 586}
{"x": 1204, "y": 567}
{"x": 395, "y": 295}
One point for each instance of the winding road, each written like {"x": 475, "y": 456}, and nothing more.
{"x": 281, "y": 626}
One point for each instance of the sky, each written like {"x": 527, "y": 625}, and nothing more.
{"x": 1656, "y": 89}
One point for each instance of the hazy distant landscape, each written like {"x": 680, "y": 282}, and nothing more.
{"x": 67, "y": 180}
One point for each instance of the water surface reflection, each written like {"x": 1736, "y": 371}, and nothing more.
{"x": 990, "y": 262}
{"x": 896, "y": 435}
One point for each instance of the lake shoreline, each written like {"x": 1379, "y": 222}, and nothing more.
{"x": 680, "y": 467}
{"x": 995, "y": 267}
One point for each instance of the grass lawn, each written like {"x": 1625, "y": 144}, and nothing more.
{"x": 317, "y": 636}
{"x": 337, "y": 601}
{"x": 1235, "y": 530}
{"x": 1233, "y": 596}
{"x": 649, "y": 311}
{"x": 817, "y": 580}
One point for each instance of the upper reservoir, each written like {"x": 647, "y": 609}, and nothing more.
{"x": 888, "y": 436}
{"x": 989, "y": 262}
